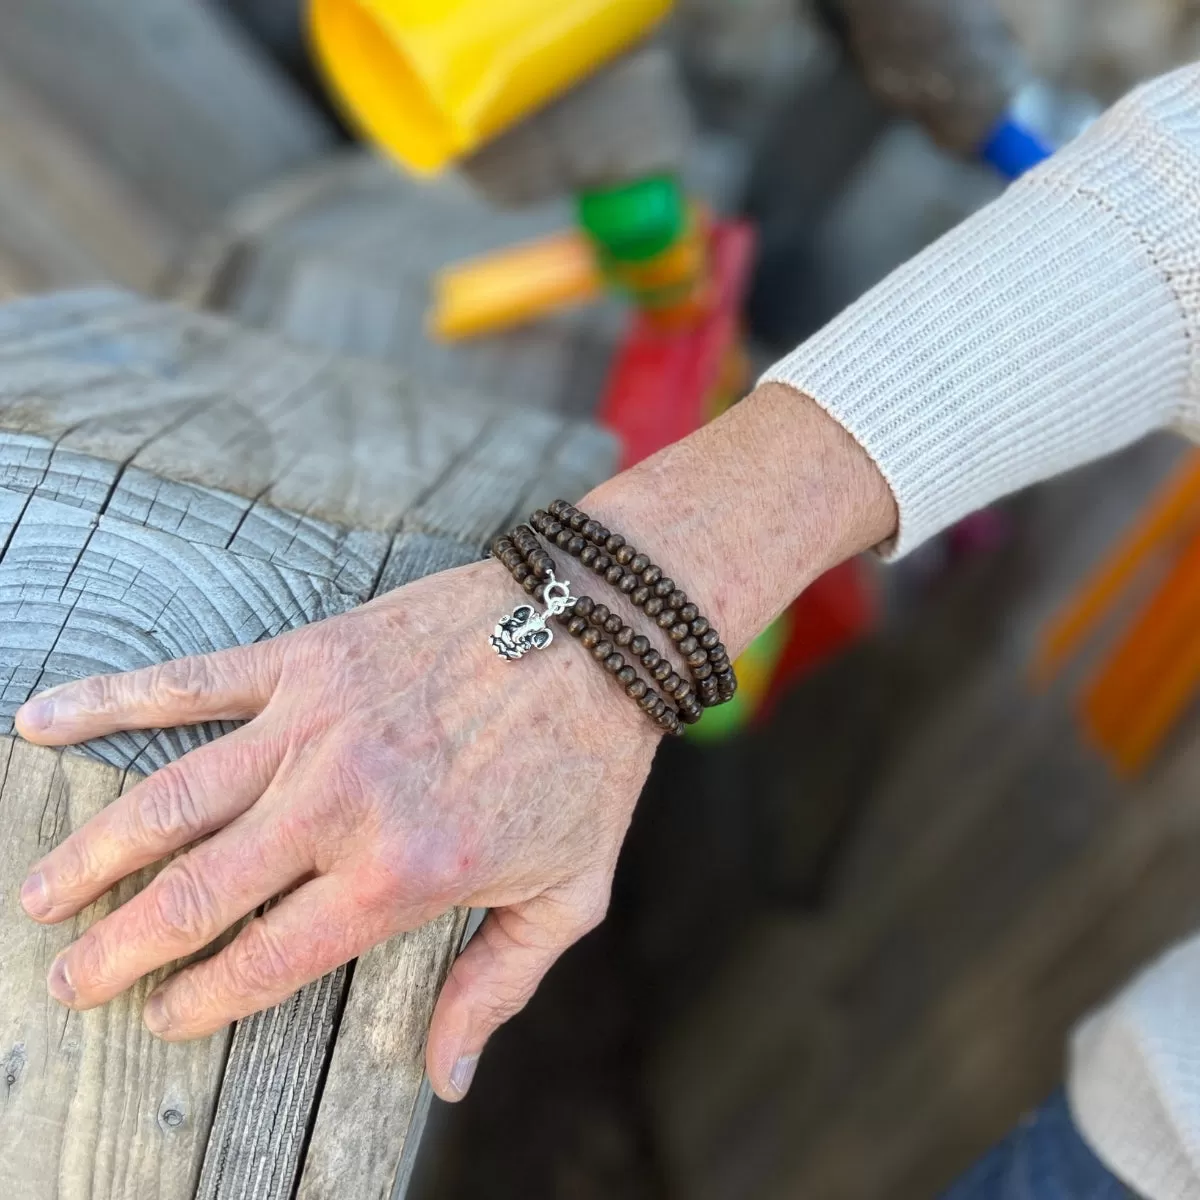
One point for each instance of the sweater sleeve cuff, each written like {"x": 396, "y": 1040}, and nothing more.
{"x": 1042, "y": 333}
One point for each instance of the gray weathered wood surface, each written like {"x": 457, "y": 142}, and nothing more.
{"x": 169, "y": 92}
{"x": 340, "y": 257}
{"x": 170, "y": 485}
{"x": 67, "y": 217}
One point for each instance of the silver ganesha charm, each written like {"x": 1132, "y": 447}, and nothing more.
{"x": 525, "y": 628}
{"x": 521, "y": 631}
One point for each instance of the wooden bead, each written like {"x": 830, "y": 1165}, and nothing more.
{"x": 577, "y": 520}
{"x": 688, "y": 613}
{"x": 671, "y": 682}
{"x": 682, "y": 690}
{"x": 602, "y": 563}
{"x": 650, "y": 659}
{"x": 658, "y": 708}
{"x": 677, "y": 599}
{"x": 699, "y": 626}
{"x": 512, "y": 558}
{"x": 612, "y": 625}
{"x": 637, "y": 689}
{"x": 717, "y": 651}
{"x": 640, "y": 594}
{"x": 589, "y": 529}
{"x": 661, "y": 671}
{"x": 640, "y": 644}
{"x": 556, "y": 509}
{"x": 584, "y": 606}
{"x": 627, "y": 583}
{"x": 588, "y": 555}
{"x": 709, "y": 638}
{"x": 576, "y": 625}
{"x": 576, "y": 544}
{"x": 522, "y": 572}
{"x": 664, "y": 587}
{"x": 623, "y": 554}
{"x": 697, "y": 658}
{"x": 551, "y": 529}
{"x": 626, "y": 675}
{"x": 602, "y": 649}
{"x": 542, "y": 565}
{"x": 678, "y": 632}
{"x": 563, "y": 538}
{"x": 531, "y": 584}
{"x": 641, "y": 563}
{"x": 650, "y": 574}
{"x": 600, "y": 613}
{"x": 614, "y": 662}
{"x": 613, "y": 542}
{"x": 688, "y": 645}
{"x": 649, "y": 700}
{"x": 653, "y": 606}
{"x": 702, "y": 672}
{"x": 689, "y": 716}
{"x": 539, "y": 591}
{"x": 624, "y": 636}
{"x": 666, "y": 618}
{"x": 602, "y": 535}
{"x": 719, "y": 664}
{"x": 591, "y": 637}
{"x": 614, "y": 575}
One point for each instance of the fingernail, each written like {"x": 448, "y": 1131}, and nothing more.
{"x": 34, "y": 899}
{"x": 38, "y": 714}
{"x": 155, "y": 1015}
{"x": 463, "y": 1073}
{"x": 59, "y": 983}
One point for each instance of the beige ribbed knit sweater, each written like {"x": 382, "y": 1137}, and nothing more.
{"x": 1055, "y": 326}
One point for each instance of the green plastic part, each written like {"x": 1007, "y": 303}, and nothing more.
{"x": 635, "y": 221}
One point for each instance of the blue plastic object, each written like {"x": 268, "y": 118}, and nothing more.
{"x": 1013, "y": 149}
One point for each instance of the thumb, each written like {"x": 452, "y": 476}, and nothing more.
{"x": 493, "y": 979}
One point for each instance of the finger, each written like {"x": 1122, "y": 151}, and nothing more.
{"x": 307, "y": 934}
{"x": 189, "y": 903}
{"x": 228, "y": 685}
{"x": 492, "y": 980}
{"x": 175, "y": 806}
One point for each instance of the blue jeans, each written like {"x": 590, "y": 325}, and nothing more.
{"x": 1044, "y": 1158}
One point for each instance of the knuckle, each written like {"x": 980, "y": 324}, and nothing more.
{"x": 93, "y": 964}
{"x": 185, "y": 680}
{"x": 100, "y": 693}
{"x": 181, "y": 905}
{"x": 168, "y": 807}
{"x": 72, "y": 867}
{"x": 507, "y": 997}
{"x": 256, "y": 961}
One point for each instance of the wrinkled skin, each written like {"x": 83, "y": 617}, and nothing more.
{"x": 392, "y": 766}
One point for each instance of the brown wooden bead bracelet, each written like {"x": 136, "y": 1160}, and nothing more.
{"x": 602, "y": 632}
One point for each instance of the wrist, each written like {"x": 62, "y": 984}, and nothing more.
{"x": 747, "y": 511}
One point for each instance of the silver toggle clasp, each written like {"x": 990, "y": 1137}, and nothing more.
{"x": 525, "y": 628}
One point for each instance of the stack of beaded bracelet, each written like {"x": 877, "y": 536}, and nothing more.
{"x": 603, "y": 632}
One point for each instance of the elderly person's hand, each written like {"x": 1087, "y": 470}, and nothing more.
{"x": 392, "y": 765}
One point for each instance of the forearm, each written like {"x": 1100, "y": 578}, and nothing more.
{"x": 1055, "y": 326}
{"x": 750, "y": 509}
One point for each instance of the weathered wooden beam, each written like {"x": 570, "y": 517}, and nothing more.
{"x": 170, "y": 484}
{"x": 340, "y": 257}
{"x": 169, "y": 92}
